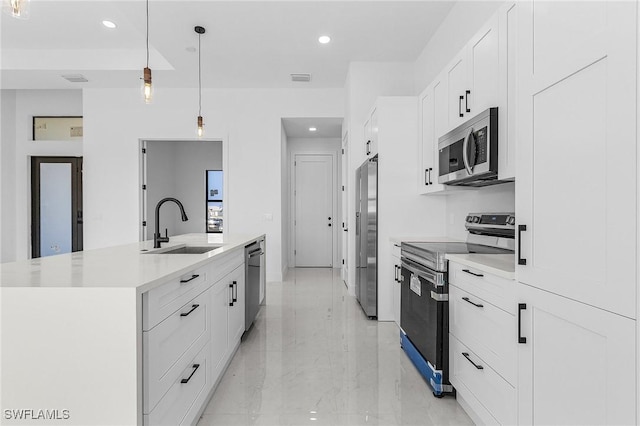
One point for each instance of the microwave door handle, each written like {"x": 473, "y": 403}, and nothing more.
{"x": 465, "y": 156}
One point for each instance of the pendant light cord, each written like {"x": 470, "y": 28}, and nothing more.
{"x": 199, "y": 79}
{"x": 147, "y": 33}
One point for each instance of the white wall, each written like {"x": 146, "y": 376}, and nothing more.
{"x": 19, "y": 147}
{"x": 248, "y": 121}
{"x": 7, "y": 176}
{"x": 462, "y": 22}
{"x": 316, "y": 146}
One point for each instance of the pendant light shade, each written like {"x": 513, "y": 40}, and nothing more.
{"x": 200, "y": 30}
{"x": 17, "y": 8}
{"x": 200, "y": 126}
{"x": 147, "y": 87}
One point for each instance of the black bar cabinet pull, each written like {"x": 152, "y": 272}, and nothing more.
{"x": 426, "y": 174}
{"x": 460, "y": 106}
{"x": 231, "y": 288}
{"x": 521, "y": 229}
{"x": 479, "y": 305}
{"x": 235, "y": 291}
{"x": 193, "y": 277}
{"x": 466, "y": 100}
{"x": 466, "y": 355}
{"x": 472, "y": 273}
{"x": 195, "y": 368}
{"x": 193, "y": 308}
{"x": 521, "y": 307}
{"x": 368, "y": 149}
{"x": 430, "y": 169}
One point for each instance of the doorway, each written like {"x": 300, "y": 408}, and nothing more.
{"x": 313, "y": 196}
{"x": 56, "y": 205}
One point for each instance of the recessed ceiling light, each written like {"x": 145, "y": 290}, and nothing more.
{"x": 324, "y": 39}
{"x": 312, "y": 129}
{"x": 108, "y": 24}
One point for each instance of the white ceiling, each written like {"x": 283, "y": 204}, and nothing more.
{"x": 325, "y": 127}
{"x": 247, "y": 44}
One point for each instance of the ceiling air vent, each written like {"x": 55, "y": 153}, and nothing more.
{"x": 75, "y": 78}
{"x": 301, "y": 77}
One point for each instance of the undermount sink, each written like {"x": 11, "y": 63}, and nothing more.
{"x": 188, "y": 250}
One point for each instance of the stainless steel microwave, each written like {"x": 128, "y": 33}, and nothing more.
{"x": 468, "y": 155}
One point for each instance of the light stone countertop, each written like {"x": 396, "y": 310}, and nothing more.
{"x": 126, "y": 266}
{"x": 502, "y": 265}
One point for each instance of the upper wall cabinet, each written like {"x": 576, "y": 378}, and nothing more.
{"x": 371, "y": 134}
{"x": 481, "y": 76}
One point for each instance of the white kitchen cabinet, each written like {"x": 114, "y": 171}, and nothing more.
{"x": 433, "y": 119}
{"x": 481, "y": 76}
{"x": 235, "y": 282}
{"x": 371, "y": 134}
{"x": 220, "y": 299}
{"x": 577, "y": 116}
{"x": 227, "y": 319}
{"x": 170, "y": 346}
{"x": 577, "y": 257}
{"x": 576, "y": 365}
{"x": 482, "y": 344}
{"x": 397, "y": 266}
{"x": 457, "y": 87}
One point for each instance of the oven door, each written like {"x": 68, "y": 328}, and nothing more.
{"x": 424, "y": 313}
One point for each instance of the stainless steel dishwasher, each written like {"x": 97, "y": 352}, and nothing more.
{"x": 254, "y": 270}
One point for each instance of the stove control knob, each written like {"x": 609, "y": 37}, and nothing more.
{"x": 511, "y": 220}
{"x": 476, "y": 219}
{"x": 469, "y": 219}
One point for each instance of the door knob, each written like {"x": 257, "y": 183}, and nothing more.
{"x": 329, "y": 218}
{"x": 329, "y": 224}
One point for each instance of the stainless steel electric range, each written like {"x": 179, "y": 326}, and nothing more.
{"x": 424, "y": 311}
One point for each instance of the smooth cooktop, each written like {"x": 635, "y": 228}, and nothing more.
{"x": 455, "y": 248}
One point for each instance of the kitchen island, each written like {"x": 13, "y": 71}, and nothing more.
{"x": 121, "y": 335}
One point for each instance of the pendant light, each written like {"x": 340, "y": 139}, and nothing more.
{"x": 147, "y": 88}
{"x": 200, "y": 30}
{"x": 17, "y": 8}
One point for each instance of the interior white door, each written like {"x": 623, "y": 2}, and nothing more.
{"x": 313, "y": 226}
{"x": 344, "y": 271}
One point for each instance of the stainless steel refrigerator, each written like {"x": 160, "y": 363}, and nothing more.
{"x": 367, "y": 236}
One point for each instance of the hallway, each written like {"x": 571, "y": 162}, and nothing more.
{"x": 313, "y": 358}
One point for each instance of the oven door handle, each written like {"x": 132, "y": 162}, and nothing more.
{"x": 465, "y": 155}
{"x": 431, "y": 278}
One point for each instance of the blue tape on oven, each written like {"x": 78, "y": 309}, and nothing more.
{"x": 426, "y": 370}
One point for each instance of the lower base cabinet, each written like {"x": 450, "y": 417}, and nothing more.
{"x": 182, "y": 402}
{"x": 187, "y": 350}
{"x": 482, "y": 344}
{"x": 576, "y": 363}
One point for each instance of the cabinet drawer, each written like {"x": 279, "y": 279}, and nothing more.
{"x": 182, "y": 401}
{"x": 160, "y": 302}
{"x": 485, "y": 329}
{"x": 225, "y": 264}
{"x": 495, "y": 290}
{"x": 169, "y": 347}
{"x": 487, "y": 386}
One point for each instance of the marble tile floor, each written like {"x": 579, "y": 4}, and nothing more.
{"x": 313, "y": 358}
